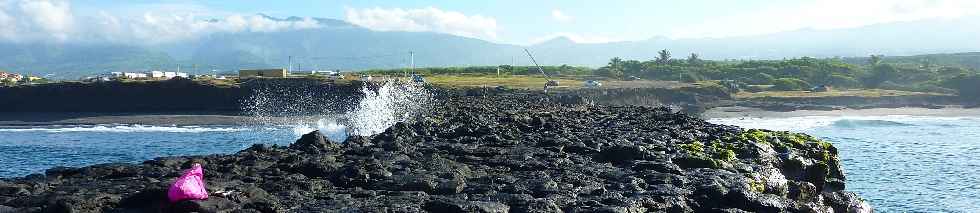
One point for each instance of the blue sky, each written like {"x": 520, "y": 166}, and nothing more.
{"x": 503, "y": 21}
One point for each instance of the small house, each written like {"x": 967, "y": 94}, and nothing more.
{"x": 156, "y": 74}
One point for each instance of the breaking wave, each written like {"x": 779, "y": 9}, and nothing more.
{"x": 858, "y": 123}
{"x": 811, "y": 122}
{"x": 371, "y": 110}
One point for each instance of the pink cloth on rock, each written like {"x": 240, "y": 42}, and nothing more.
{"x": 189, "y": 186}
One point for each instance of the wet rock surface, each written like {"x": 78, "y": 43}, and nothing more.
{"x": 493, "y": 153}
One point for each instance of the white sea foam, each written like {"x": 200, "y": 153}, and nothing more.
{"x": 122, "y": 129}
{"x": 811, "y": 122}
{"x": 380, "y": 109}
{"x": 377, "y": 110}
{"x": 328, "y": 127}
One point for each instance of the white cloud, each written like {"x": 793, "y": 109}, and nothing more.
{"x": 54, "y": 20}
{"x": 40, "y": 18}
{"x": 560, "y": 16}
{"x": 828, "y": 14}
{"x": 422, "y": 20}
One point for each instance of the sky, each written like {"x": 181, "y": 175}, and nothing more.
{"x": 500, "y": 21}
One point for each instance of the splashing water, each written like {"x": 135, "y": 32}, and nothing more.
{"x": 391, "y": 103}
{"x": 371, "y": 110}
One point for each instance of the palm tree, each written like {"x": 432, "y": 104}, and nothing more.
{"x": 694, "y": 59}
{"x": 663, "y": 57}
{"x": 874, "y": 60}
{"x": 616, "y": 62}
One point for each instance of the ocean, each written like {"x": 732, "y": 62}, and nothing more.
{"x": 31, "y": 150}
{"x": 898, "y": 163}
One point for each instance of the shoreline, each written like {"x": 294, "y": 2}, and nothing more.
{"x": 91, "y": 118}
{"x": 154, "y": 119}
{"x": 751, "y": 112}
{"x": 225, "y": 118}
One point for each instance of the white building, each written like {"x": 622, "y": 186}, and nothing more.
{"x": 129, "y": 75}
{"x": 323, "y": 72}
{"x": 156, "y": 74}
{"x": 134, "y": 75}
{"x": 169, "y": 75}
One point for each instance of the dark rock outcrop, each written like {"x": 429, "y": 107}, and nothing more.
{"x": 174, "y": 95}
{"x": 498, "y": 153}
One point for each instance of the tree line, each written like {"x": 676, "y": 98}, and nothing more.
{"x": 489, "y": 70}
{"x": 797, "y": 73}
{"x": 874, "y": 72}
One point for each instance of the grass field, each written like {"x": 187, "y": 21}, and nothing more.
{"x": 834, "y": 93}
{"x": 537, "y": 82}
{"x": 511, "y": 81}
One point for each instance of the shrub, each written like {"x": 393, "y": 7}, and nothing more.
{"x": 691, "y": 77}
{"x": 843, "y": 81}
{"x": 880, "y": 74}
{"x": 790, "y": 84}
{"x": 609, "y": 72}
{"x": 967, "y": 85}
{"x": 763, "y": 78}
{"x": 754, "y": 88}
{"x": 709, "y": 87}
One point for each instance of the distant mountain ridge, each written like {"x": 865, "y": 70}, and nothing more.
{"x": 338, "y": 44}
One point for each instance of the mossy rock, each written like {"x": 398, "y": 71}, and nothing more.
{"x": 694, "y": 148}
{"x": 696, "y": 161}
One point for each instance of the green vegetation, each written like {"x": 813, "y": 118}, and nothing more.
{"x": 7, "y": 82}
{"x": 510, "y": 81}
{"x": 696, "y": 148}
{"x": 756, "y": 184}
{"x": 755, "y": 135}
{"x": 563, "y": 70}
{"x": 724, "y": 151}
{"x": 834, "y": 93}
{"x": 790, "y": 84}
{"x": 875, "y": 72}
{"x": 967, "y": 85}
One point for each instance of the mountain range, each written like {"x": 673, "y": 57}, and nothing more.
{"x": 337, "y": 44}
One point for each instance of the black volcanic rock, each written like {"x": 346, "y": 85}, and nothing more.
{"x": 494, "y": 153}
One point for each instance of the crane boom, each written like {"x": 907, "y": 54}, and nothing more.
{"x": 536, "y": 64}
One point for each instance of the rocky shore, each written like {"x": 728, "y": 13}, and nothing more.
{"x": 485, "y": 153}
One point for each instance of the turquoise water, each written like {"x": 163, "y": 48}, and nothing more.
{"x": 899, "y": 163}
{"x": 31, "y": 150}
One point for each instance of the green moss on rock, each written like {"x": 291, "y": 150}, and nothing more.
{"x": 694, "y": 148}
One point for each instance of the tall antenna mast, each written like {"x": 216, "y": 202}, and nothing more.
{"x": 412, "y": 53}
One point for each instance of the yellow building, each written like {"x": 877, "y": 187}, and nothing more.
{"x": 264, "y": 73}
